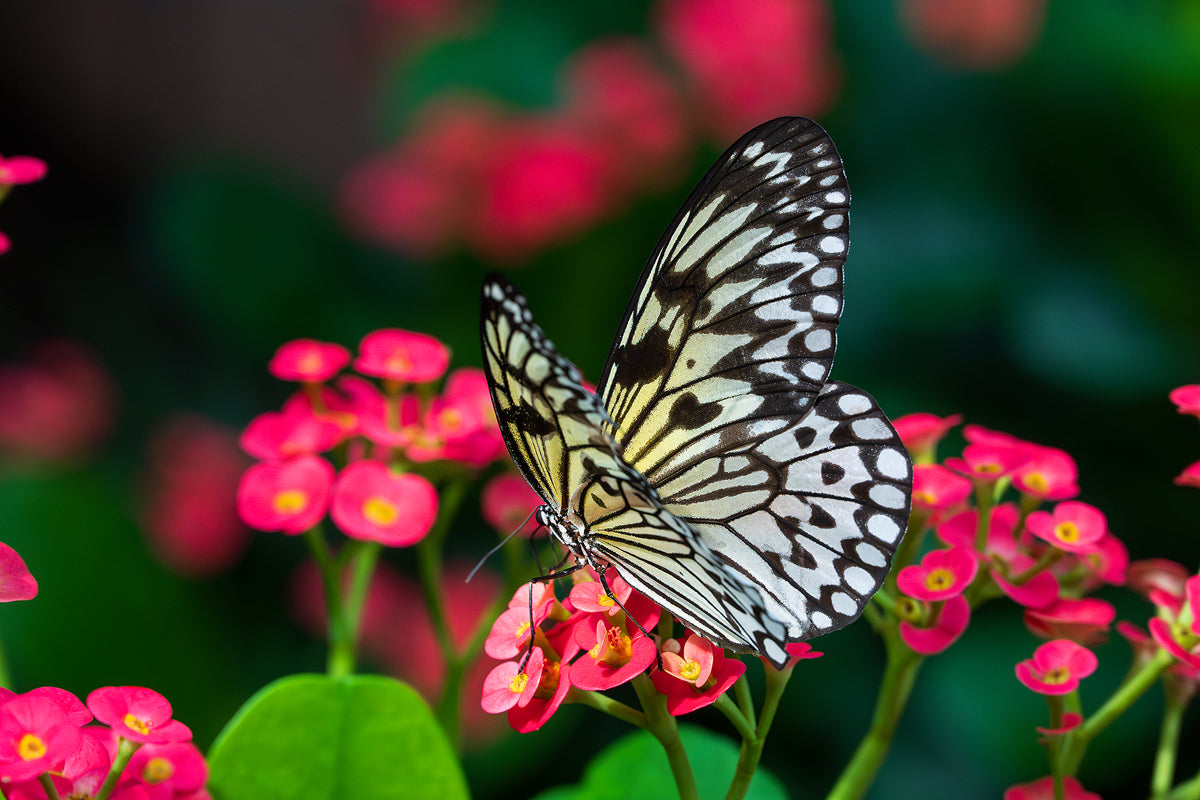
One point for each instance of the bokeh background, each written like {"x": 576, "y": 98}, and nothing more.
{"x": 228, "y": 175}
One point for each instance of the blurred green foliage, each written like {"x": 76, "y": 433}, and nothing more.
{"x": 1024, "y": 253}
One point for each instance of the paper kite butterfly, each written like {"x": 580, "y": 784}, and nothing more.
{"x": 718, "y": 469}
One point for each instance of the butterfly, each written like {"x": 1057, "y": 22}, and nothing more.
{"x": 718, "y": 469}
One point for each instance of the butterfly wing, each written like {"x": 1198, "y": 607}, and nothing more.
{"x": 716, "y": 384}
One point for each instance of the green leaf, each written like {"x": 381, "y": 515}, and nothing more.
{"x": 317, "y": 737}
{"x": 636, "y": 766}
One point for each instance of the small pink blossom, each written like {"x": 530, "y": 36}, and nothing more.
{"x": 5, "y": 243}
{"x": 1190, "y": 476}
{"x": 168, "y": 770}
{"x": 942, "y": 574}
{"x": 1187, "y": 399}
{"x": 800, "y": 651}
{"x": 590, "y": 596}
{"x": 1108, "y": 561}
{"x": 988, "y": 461}
{"x": 961, "y": 531}
{"x": 1084, "y": 620}
{"x": 613, "y": 657}
{"x": 508, "y": 502}
{"x": 16, "y": 583}
{"x": 288, "y": 496}
{"x": 921, "y": 433}
{"x": 1043, "y": 789}
{"x": 1073, "y": 526}
{"x": 938, "y": 489}
{"x": 1050, "y": 474}
{"x": 1039, "y": 590}
{"x": 373, "y": 503}
{"x": 1158, "y": 575}
{"x": 35, "y": 735}
{"x": 136, "y": 713}
{"x": 21, "y": 169}
{"x": 402, "y": 356}
{"x": 275, "y": 436}
{"x": 1176, "y": 639}
{"x": 510, "y": 632}
{"x": 509, "y": 685}
{"x": 552, "y": 689}
{"x": 692, "y": 662}
{"x": 1057, "y": 667}
{"x": 308, "y": 360}
{"x": 949, "y": 620}
{"x": 683, "y": 693}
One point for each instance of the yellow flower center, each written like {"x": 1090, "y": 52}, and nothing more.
{"x": 990, "y": 468}
{"x": 924, "y": 498}
{"x": 1057, "y": 675}
{"x": 309, "y": 363}
{"x": 690, "y": 670}
{"x": 31, "y": 747}
{"x": 135, "y": 724}
{"x": 603, "y": 599}
{"x": 1037, "y": 481}
{"x": 157, "y": 770}
{"x": 291, "y": 501}
{"x": 398, "y": 362}
{"x": 549, "y": 682}
{"x": 939, "y": 579}
{"x": 380, "y": 512}
{"x": 450, "y": 419}
{"x": 518, "y": 682}
{"x": 1066, "y": 532}
{"x": 521, "y": 630}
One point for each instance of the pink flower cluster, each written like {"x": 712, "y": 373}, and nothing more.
{"x": 508, "y": 184}
{"x": 46, "y": 732}
{"x": 386, "y": 430}
{"x": 16, "y": 170}
{"x": 591, "y": 642}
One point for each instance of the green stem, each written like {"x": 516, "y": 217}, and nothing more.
{"x": 47, "y": 786}
{"x": 898, "y": 678}
{"x": 984, "y": 500}
{"x": 1122, "y": 699}
{"x": 745, "y": 701}
{"x": 5, "y": 678}
{"x": 125, "y": 751}
{"x": 663, "y": 727}
{"x": 362, "y": 568}
{"x": 727, "y": 707}
{"x": 1168, "y": 746}
{"x": 614, "y": 708}
{"x": 1188, "y": 790}
{"x": 340, "y": 661}
{"x": 752, "y": 745}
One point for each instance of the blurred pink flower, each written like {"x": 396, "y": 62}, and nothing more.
{"x": 1043, "y": 789}
{"x": 1190, "y": 476}
{"x": 56, "y": 406}
{"x": 974, "y": 34}
{"x": 938, "y": 489}
{"x": 1187, "y": 399}
{"x": 137, "y": 713}
{"x": 1072, "y": 526}
{"x": 1050, "y": 474}
{"x": 942, "y": 574}
{"x": 749, "y": 62}
{"x": 1057, "y": 667}
{"x": 35, "y": 735}
{"x": 288, "y": 496}
{"x": 308, "y": 360}
{"x": 16, "y": 583}
{"x": 949, "y": 620}
{"x": 373, "y": 503}
{"x": 402, "y": 356}
{"x": 168, "y": 770}
{"x": 5, "y": 243}
{"x": 188, "y": 508}
{"x": 922, "y": 431}
{"x": 507, "y": 502}
{"x": 1084, "y": 620}
{"x": 295, "y": 431}
{"x": 21, "y": 169}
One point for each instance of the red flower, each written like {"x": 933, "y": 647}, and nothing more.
{"x": 1084, "y": 621}
{"x": 974, "y": 34}
{"x": 944, "y": 623}
{"x": 308, "y": 360}
{"x": 402, "y": 356}
{"x": 190, "y": 483}
{"x": 1073, "y": 526}
{"x": 1050, "y": 474}
{"x": 748, "y": 62}
{"x": 1190, "y": 476}
{"x": 1057, "y": 667}
{"x": 1187, "y": 398}
{"x": 16, "y": 583}
{"x": 510, "y": 632}
{"x": 921, "y": 433}
{"x": 551, "y": 691}
{"x": 941, "y": 575}
{"x": 372, "y": 503}
{"x": 613, "y": 657}
{"x": 1043, "y": 789}
{"x": 35, "y": 735}
{"x": 989, "y": 461}
{"x": 937, "y": 489}
{"x": 21, "y": 169}
{"x": 695, "y": 675}
{"x": 289, "y": 496}
{"x": 800, "y": 651}
{"x": 136, "y": 713}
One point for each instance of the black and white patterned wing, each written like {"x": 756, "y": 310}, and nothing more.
{"x": 549, "y": 420}
{"x": 718, "y": 365}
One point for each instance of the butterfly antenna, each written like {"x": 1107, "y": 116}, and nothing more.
{"x": 495, "y": 549}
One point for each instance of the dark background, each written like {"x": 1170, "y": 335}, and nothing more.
{"x": 1024, "y": 252}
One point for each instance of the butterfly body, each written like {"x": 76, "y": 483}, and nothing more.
{"x": 718, "y": 469}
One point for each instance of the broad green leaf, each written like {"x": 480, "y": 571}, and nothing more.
{"x": 635, "y": 766}
{"x": 318, "y": 737}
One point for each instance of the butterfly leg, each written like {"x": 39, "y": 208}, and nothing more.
{"x": 601, "y": 570}
{"x": 548, "y": 578}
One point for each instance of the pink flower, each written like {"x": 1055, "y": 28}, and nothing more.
{"x": 1043, "y": 789}
{"x": 1192, "y": 591}
{"x": 1176, "y": 639}
{"x": 748, "y": 62}
{"x": 800, "y": 651}
{"x": 941, "y": 575}
{"x": 16, "y": 583}
{"x": 1151, "y": 575}
{"x": 5, "y": 243}
{"x": 35, "y": 735}
{"x": 552, "y": 689}
{"x": 692, "y": 662}
{"x": 509, "y": 685}
{"x": 1050, "y": 474}
{"x": 1190, "y": 476}
{"x": 944, "y": 623}
{"x": 988, "y": 461}
{"x": 308, "y": 360}
{"x": 1107, "y": 561}
{"x": 21, "y": 169}
{"x": 288, "y": 496}
{"x": 402, "y": 356}
{"x": 589, "y": 596}
{"x": 1039, "y": 590}
{"x": 508, "y": 502}
{"x": 696, "y": 675}
{"x": 1073, "y": 526}
{"x": 168, "y": 770}
{"x": 1070, "y": 721}
{"x": 921, "y": 433}
{"x": 1187, "y": 398}
{"x": 974, "y": 34}
{"x": 136, "y": 713}
{"x": 275, "y": 436}
{"x": 58, "y": 406}
{"x": 1057, "y": 667}
{"x": 960, "y": 531}
{"x": 372, "y": 503}
{"x": 188, "y": 510}
{"x": 937, "y": 489}
{"x": 1084, "y": 620}
{"x": 613, "y": 657}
